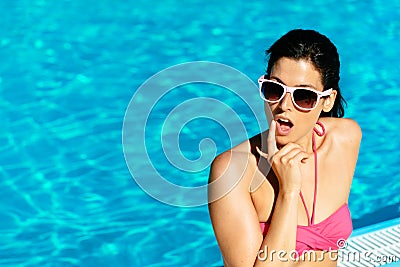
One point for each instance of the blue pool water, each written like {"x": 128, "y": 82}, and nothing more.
{"x": 68, "y": 72}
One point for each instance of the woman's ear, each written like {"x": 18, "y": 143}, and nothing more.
{"x": 329, "y": 101}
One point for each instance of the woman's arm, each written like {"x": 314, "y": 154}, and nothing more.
{"x": 281, "y": 235}
{"x": 235, "y": 220}
{"x": 348, "y": 137}
{"x": 233, "y": 216}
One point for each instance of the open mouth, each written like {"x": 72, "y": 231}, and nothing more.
{"x": 283, "y": 126}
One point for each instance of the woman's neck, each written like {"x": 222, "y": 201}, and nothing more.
{"x": 306, "y": 142}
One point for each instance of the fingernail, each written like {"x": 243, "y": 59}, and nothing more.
{"x": 261, "y": 153}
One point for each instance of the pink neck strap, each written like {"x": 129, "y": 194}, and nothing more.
{"x": 314, "y": 146}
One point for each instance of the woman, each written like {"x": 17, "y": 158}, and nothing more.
{"x": 300, "y": 206}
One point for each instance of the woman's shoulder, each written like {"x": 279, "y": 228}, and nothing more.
{"x": 343, "y": 129}
{"x": 237, "y": 160}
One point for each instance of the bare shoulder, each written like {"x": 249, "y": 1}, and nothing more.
{"x": 344, "y": 129}
{"x": 233, "y": 169}
{"x": 343, "y": 144}
{"x": 236, "y": 159}
{"x": 233, "y": 161}
{"x": 233, "y": 215}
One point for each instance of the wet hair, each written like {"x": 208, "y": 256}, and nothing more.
{"x": 310, "y": 45}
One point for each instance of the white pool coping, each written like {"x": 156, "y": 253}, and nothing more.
{"x": 373, "y": 245}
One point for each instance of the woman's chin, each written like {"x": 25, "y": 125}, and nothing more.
{"x": 282, "y": 140}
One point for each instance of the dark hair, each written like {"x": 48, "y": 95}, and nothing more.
{"x": 311, "y": 45}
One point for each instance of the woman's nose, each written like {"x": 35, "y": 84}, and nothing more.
{"x": 286, "y": 103}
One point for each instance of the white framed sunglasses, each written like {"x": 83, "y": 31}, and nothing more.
{"x": 302, "y": 97}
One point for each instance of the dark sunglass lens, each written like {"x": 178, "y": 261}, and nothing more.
{"x": 271, "y": 91}
{"x": 305, "y": 98}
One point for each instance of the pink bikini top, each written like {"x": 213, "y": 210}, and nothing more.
{"x": 327, "y": 234}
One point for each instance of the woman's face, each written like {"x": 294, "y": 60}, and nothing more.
{"x": 295, "y": 73}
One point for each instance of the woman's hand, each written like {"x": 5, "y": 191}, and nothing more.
{"x": 285, "y": 162}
